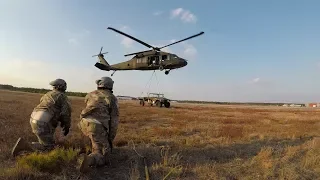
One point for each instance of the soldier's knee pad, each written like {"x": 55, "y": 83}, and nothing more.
{"x": 46, "y": 139}
{"x": 40, "y": 127}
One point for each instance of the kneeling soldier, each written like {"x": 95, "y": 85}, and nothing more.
{"x": 54, "y": 107}
{"x": 99, "y": 121}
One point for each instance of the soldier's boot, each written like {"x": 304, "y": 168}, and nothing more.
{"x": 20, "y": 145}
{"x": 107, "y": 159}
{"x": 86, "y": 164}
{"x": 99, "y": 159}
{"x": 40, "y": 147}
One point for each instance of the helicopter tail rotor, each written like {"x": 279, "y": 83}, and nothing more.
{"x": 100, "y": 53}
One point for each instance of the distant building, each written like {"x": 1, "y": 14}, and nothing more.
{"x": 312, "y": 105}
{"x": 295, "y": 105}
{"x": 125, "y": 98}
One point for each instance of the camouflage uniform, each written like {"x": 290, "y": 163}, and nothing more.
{"x": 54, "y": 107}
{"x": 99, "y": 120}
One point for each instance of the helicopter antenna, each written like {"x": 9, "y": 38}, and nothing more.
{"x": 100, "y": 53}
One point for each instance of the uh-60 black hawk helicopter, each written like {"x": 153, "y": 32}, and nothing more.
{"x": 154, "y": 59}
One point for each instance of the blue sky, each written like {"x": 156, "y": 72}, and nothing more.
{"x": 251, "y": 50}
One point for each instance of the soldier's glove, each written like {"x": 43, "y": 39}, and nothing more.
{"x": 65, "y": 131}
{"x": 65, "y": 128}
{"x": 62, "y": 124}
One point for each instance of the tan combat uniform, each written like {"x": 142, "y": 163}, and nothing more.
{"x": 101, "y": 109}
{"x": 54, "y": 107}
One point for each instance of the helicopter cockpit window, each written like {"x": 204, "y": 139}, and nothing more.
{"x": 164, "y": 57}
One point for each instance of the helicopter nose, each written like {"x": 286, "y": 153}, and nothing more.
{"x": 184, "y": 62}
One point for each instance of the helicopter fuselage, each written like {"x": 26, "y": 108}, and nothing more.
{"x": 154, "y": 59}
{"x": 159, "y": 61}
{"x": 152, "y": 62}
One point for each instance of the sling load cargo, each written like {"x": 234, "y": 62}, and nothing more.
{"x": 152, "y": 98}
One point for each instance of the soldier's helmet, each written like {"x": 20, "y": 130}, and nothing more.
{"x": 59, "y": 84}
{"x": 105, "y": 82}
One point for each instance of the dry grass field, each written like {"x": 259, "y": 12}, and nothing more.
{"x": 187, "y": 141}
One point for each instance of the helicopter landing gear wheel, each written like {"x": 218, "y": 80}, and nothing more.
{"x": 161, "y": 68}
{"x": 167, "y": 72}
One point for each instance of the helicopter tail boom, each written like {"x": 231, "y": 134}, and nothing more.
{"x": 103, "y": 66}
{"x": 103, "y": 61}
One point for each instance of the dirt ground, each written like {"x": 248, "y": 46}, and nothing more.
{"x": 187, "y": 141}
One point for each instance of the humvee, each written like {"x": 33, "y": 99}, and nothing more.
{"x": 155, "y": 99}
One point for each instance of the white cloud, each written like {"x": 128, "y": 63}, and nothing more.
{"x": 184, "y": 15}
{"x": 189, "y": 51}
{"x": 73, "y": 41}
{"x": 124, "y": 28}
{"x": 167, "y": 49}
{"x": 262, "y": 83}
{"x": 172, "y": 40}
{"x": 255, "y": 80}
{"x": 176, "y": 12}
{"x": 158, "y": 13}
{"x": 75, "y": 38}
{"x": 126, "y": 42}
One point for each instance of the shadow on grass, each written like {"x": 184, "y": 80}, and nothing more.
{"x": 226, "y": 154}
{"x": 126, "y": 164}
{"x": 173, "y": 160}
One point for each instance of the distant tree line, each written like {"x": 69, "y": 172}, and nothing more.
{"x": 82, "y": 94}
{"x": 36, "y": 90}
{"x": 233, "y": 103}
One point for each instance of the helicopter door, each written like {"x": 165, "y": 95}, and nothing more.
{"x": 150, "y": 61}
{"x": 155, "y": 60}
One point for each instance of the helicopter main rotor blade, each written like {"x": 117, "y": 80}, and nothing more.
{"x": 183, "y": 39}
{"x": 137, "y": 53}
{"x": 141, "y": 42}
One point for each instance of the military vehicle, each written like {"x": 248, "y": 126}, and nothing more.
{"x": 153, "y": 59}
{"x": 155, "y": 99}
